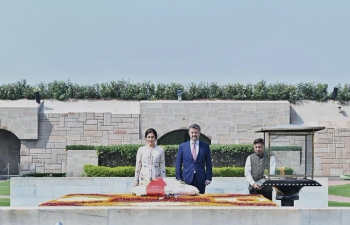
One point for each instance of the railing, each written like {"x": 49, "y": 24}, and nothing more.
{"x": 8, "y": 172}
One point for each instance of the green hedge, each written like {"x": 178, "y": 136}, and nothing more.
{"x": 129, "y": 171}
{"x": 285, "y": 148}
{"x": 125, "y": 155}
{"x": 80, "y": 147}
{"x": 128, "y": 149}
{"x": 44, "y": 175}
{"x": 287, "y": 171}
{"x": 63, "y": 90}
{"x": 222, "y": 155}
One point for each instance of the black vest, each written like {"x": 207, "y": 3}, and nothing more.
{"x": 258, "y": 165}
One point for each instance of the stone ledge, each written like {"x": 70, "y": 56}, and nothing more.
{"x": 32, "y": 191}
{"x": 174, "y": 215}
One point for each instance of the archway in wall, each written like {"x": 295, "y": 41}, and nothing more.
{"x": 177, "y": 137}
{"x": 10, "y": 147}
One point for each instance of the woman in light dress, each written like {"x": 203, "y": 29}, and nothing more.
{"x": 150, "y": 160}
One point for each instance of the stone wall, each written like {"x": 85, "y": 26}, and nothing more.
{"x": 332, "y": 145}
{"x": 44, "y": 135}
{"x": 9, "y": 154}
{"x": 56, "y": 130}
{"x": 332, "y": 152}
{"x": 76, "y": 159}
{"x": 21, "y": 121}
{"x": 174, "y": 215}
{"x": 224, "y": 122}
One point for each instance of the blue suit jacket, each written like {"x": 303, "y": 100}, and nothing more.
{"x": 185, "y": 164}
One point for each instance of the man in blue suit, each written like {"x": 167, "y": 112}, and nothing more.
{"x": 193, "y": 161}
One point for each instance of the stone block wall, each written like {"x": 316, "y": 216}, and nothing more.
{"x": 332, "y": 145}
{"x": 56, "y": 130}
{"x": 16, "y": 122}
{"x": 44, "y": 134}
{"x": 332, "y": 152}
{"x": 224, "y": 122}
{"x": 23, "y": 122}
{"x": 76, "y": 159}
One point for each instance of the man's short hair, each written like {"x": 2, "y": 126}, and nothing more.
{"x": 259, "y": 141}
{"x": 195, "y": 126}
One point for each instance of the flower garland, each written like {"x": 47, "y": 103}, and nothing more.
{"x": 128, "y": 200}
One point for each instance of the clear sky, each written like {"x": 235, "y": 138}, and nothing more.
{"x": 225, "y": 41}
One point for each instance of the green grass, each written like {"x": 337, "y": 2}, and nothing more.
{"x": 340, "y": 190}
{"x": 4, "y": 202}
{"x": 5, "y": 190}
{"x": 338, "y": 204}
{"x": 5, "y": 187}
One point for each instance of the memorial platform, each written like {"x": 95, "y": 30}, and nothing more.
{"x": 28, "y": 192}
{"x": 173, "y": 215}
{"x": 32, "y": 191}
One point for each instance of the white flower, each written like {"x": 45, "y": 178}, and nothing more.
{"x": 172, "y": 188}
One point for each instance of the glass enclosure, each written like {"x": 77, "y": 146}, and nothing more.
{"x": 292, "y": 155}
{"x": 290, "y": 151}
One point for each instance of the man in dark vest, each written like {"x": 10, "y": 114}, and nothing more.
{"x": 254, "y": 169}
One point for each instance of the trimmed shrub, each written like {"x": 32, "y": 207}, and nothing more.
{"x": 125, "y": 90}
{"x": 80, "y": 147}
{"x": 44, "y": 175}
{"x": 222, "y": 155}
{"x": 129, "y": 171}
{"x": 228, "y": 172}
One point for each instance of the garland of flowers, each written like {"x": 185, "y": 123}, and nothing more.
{"x": 127, "y": 199}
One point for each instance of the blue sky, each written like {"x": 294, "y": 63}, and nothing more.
{"x": 224, "y": 41}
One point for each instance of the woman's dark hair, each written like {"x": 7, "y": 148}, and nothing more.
{"x": 151, "y": 131}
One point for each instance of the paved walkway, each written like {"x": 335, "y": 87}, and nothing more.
{"x": 334, "y": 197}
